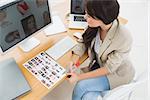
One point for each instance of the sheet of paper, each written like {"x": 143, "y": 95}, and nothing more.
{"x": 45, "y": 69}
{"x": 56, "y": 27}
{"x": 4, "y": 2}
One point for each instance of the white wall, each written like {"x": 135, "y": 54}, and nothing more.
{"x": 136, "y": 12}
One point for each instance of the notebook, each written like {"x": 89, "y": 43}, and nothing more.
{"x": 12, "y": 81}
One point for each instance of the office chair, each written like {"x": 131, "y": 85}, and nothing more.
{"x": 124, "y": 92}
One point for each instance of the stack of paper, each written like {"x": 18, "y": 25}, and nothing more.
{"x": 57, "y": 26}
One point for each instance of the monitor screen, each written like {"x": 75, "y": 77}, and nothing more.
{"x": 77, "y": 7}
{"x": 20, "y": 19}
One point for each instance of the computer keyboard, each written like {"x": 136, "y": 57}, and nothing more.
{"x": 79, "y": 18}
{"x": 45, "y": 69}
{"x": 61, "y": 47}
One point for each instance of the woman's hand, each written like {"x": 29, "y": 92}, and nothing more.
{"x": 73, "y": 77}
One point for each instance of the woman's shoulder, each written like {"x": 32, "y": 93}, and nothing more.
{"x": 124, "y": 32}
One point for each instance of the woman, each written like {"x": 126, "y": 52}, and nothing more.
{"x": 108, "y": 44}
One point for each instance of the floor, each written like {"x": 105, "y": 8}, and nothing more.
{"x": 136, "y": 11}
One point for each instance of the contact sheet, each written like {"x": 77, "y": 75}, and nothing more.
{"x": 45, "y": 69}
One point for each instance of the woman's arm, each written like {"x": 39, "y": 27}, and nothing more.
{"x": 73, "y": 77}
{"x": 98, "y": 72}
{"x": 79, "y": 49}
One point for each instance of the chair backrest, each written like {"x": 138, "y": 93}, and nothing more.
{"x": 142, "y": 77}
{"x": 124, "y": 90}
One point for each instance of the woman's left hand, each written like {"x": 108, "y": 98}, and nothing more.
{"x": 74, "y": 77}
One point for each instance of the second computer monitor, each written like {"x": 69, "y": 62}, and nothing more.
{"x": 77, "y": 7}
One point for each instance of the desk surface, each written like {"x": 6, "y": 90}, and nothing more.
{"x": 38, "y": 90}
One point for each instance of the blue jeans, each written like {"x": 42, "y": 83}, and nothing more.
{"x": 90, "y": 89}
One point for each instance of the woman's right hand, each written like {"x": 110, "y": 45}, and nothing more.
{"x": 73, "y": 77}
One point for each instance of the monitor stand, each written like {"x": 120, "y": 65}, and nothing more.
{"x": 28, "y": 45}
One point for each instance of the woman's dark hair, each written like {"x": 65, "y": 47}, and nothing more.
{"x": 105, "y": 10}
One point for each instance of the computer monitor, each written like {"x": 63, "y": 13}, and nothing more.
{"x": 77, "y": 7}
{"x": 19, "y": 20}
